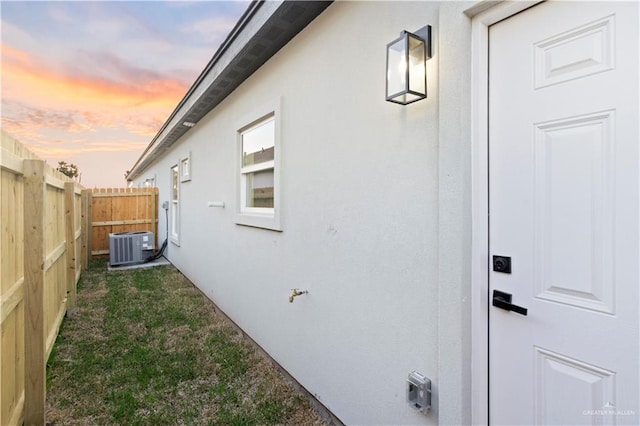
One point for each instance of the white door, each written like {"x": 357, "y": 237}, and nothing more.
{"x": 563, "y": 201}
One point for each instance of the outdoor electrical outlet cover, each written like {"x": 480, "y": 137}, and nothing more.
{"x": 419, "y": 392}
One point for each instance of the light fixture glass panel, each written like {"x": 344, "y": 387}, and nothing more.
{"x": 407, "y": 98}
{"x": 397, "y": 67}
{"x": 417, "y": 63}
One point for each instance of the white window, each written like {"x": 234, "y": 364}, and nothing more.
{"x": 185, "y": 168}
{"x": 258, "y": 173}
{"x": 149, "y": 183}
{"x": 175, "y": 205}
{"x": 257, "y": 176}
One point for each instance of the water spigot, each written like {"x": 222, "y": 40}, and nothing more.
{"x": 296, "y": 293}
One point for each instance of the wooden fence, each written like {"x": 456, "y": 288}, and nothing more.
{"x": 120, "y": 210}
{"x": 40, "y": 265}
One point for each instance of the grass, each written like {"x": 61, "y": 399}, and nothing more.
{"x": 145, "y": 347}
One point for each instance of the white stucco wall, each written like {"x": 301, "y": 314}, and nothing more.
{"x": 375, "y": 216}
{"x": 454, "y": 223}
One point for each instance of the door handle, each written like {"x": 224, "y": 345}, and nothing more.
{"x": 502, "y": 300}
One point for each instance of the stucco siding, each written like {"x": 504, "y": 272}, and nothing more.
{"x": 374, "y": 210}
{"x": 454, "y": 201}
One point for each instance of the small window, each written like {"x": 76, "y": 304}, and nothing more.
{"x": 149, "y": 183}
{"x": 185, "y": 168}
{"x": 258, "y": 172}
{"x": 175, "y": 205}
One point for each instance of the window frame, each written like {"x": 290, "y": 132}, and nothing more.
{"x": 185, "y": 167}
{"x": 174, "y": 203}
{"x": 148, "y": 182}
{"x": 259, "y": 217}
{"x": 255, "y": 168}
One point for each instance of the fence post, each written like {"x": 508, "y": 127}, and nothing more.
{"x": 86, "y": 228}
{"x": 154, "y": 206}
{"x": 70, "y": 234}
{"x": 90, "y": 225}
{"x": 34, "y": 274}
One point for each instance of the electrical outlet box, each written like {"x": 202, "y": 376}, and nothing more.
{"x": 419, "y": 392}
{"x": 165, "y": 205}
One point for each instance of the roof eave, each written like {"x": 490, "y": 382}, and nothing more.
{"x": 260, "y": 33}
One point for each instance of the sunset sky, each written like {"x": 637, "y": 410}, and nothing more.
{"x": 91, "y": 82}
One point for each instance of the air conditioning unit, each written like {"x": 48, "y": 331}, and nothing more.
{"x": 130, "y": 247}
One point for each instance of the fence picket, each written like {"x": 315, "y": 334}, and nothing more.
{"x": 39, "y": 237}
{"x": 120, "y": 210}
{"x": 34, "y": 279}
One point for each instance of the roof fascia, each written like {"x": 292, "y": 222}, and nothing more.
{"x": 245, "y": 28}
{"x": 200, "y": 98}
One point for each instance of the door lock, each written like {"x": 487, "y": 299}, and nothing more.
{"x": 502, "y": 264}
{"x": 502, "y": 300}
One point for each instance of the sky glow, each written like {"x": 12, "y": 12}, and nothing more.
{"x": 91, "y": 82}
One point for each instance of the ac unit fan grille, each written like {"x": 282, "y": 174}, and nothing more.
{"x": 124, "y": 249}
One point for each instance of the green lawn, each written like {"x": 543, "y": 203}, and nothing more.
{"x": 146, "y": 347}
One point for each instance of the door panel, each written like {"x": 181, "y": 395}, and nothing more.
{"x": 589, "y": 386}
{"x": 573, "y": 229}
{"x": 563, "y": 185}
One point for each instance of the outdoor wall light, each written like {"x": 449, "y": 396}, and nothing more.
{"x": 407, "y": 66}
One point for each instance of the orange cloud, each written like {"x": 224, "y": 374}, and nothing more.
{"x": 44, "y": 107}
{"x": 25, "y": 78}
{"x": 62, "y": 145}
{"x": 6, "y": 50}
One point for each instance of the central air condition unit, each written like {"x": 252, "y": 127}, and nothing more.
{"x": 130, "y": 247}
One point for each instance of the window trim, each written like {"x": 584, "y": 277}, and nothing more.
{"x": 174, "y": 206}
{"x": 260, "y": 217}
{"x": 149, "y": 182}
{"x": 185, "y": 171}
